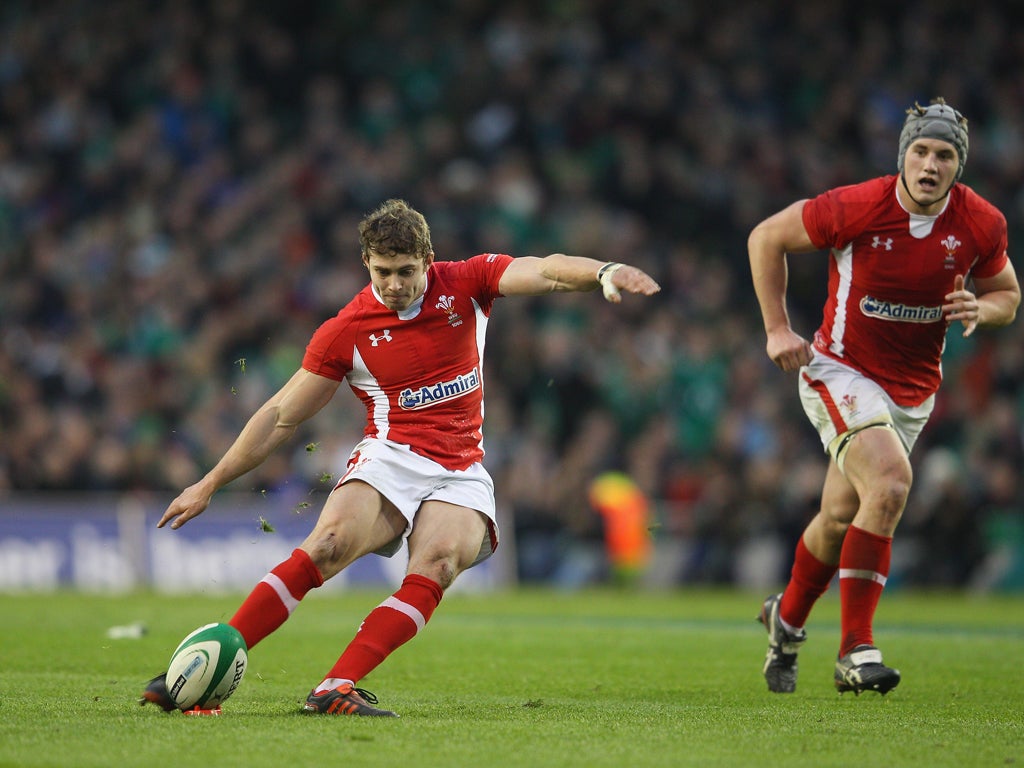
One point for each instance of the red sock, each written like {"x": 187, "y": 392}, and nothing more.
{"x": 389, "y": 625}
{"x": 863, "y": 570}
{"x": 808, "y": 581}
{"x": 275, "y": 597}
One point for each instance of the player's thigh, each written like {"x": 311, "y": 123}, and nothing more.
{"x": 355, "y": 520}
{"x": 445, "y": 531}
{"x": 877, "y": 464}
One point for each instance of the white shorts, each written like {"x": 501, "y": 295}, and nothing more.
{"x": 839, "y": 400}
{"x": 407, "y": 479}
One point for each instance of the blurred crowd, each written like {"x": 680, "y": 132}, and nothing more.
{"x": 180, "y": 184}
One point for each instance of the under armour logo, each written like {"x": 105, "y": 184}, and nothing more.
{"x": 887, "y": 243}
{"x": 385, "y": 336}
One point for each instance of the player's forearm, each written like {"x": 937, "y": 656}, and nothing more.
{"x": 997, "y": 308}
{"x": 274, "y": 423}
{"x": 767, "y": 246}
{"x": 769, "y": 274}
{"x": 571, "y": 273}
{"x": 261, "y": 436}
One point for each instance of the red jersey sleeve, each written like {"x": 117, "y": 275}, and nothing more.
{"x": 329, "y": 352}
{"x": 835, "y": 217}
{"x": 487, "y": 268}
{"x": 988, "y": 225}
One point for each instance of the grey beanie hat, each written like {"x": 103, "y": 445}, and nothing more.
{"x": 936, "y": 121}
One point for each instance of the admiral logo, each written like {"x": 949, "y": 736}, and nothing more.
{"x": 447, "y": 305}
{"x": 432, "y": 394}
{"x": 885, "y": 310}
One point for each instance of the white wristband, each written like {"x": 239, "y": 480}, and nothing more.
{"x": 604, "y": 277}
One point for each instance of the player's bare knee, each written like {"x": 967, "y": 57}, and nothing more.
{"x": 835, "y": 529}
{"x": 888, "y": 500}
{"x": 446, "y": 573}
{"x": 440, "y": 568}
{"x": 327, "y": 550}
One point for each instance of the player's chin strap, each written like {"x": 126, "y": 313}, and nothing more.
{"x": 604, "y": 277}
{"x": 903, "y": 178}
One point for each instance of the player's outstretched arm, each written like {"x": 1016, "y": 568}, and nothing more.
{"x": 275, "y": 421}
{"x": 531, "y": 276}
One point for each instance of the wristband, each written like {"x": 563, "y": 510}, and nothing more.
{"x": 604, "y": 277}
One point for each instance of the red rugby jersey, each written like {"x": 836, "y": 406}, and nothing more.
{"x": 418, "y": 372}
{"x": 889, "y": 272}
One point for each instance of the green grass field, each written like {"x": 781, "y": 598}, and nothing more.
{"x": 531, "y": 678}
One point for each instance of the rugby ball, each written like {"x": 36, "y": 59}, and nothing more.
{"x": 206, "y": 667}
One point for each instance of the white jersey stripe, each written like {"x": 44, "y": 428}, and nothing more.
{"x": 481, "y": 336}
{"x": 273, "y": 581}
{"x": 361, "y": 378}
{"x": 403, "y": 607}
{"x": 844, "y": 265}
{"x": 857, "y": 573}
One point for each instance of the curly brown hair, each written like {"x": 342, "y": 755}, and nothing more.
{"x": 395, "y": 227}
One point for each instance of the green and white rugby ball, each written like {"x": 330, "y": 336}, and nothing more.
{"x": 206, "y": 667}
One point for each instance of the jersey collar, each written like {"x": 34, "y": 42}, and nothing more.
{"x": 413, "y": 309}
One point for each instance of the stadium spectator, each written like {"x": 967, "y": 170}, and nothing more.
{"x": 410, "y": 346}
{"x": 164, "y": 165}
{"x": 910, "y": 254}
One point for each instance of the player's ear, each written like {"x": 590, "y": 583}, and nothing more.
{"x": 366, "y": 260}
{"x": 428, "y": 260}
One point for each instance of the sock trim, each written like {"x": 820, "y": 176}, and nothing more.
{"x": 275, "y": 582}
{"x": 402, "y": 607}
{"x": 858, "y": 573}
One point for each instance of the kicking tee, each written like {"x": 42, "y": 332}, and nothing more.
{"x": 419, "y": 372}
{"x": 889, "y": 273}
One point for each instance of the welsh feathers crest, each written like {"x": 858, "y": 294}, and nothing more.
{"x": 950, "y": 243}
{"x": 447, "y": 305}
